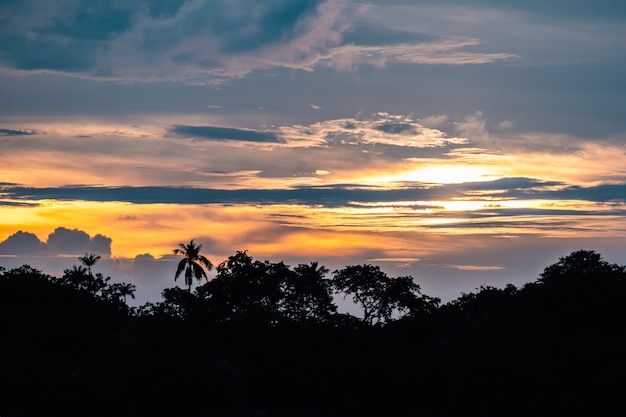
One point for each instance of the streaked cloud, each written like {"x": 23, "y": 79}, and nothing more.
{"x": 477, "y": 267}
{"x": 223, "y": 133}
{"x": 16, "y": 132}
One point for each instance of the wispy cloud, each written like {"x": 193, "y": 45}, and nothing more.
{"x": 477, "y": 267}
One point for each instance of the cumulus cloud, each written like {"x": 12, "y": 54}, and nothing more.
{"x": 379, "y": 129}
{"x": 473, "y": 126}
{"x": 21, "y": 243}
{"x": 62, "y": 241}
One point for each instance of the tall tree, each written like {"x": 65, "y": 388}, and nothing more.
{"x": 382, "y": 298}
{"x": 307, "y": 294}
{"x": 119, "y": 291}
{"x": 367, "y": 285}
{"x": 245, "y": 289}
{"x": 89, "y": 260}
{"x": 192, "y": 263}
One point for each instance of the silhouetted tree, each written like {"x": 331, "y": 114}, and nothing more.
{"x": 367, "y": 285}
{"x": 192, "y": 263}
{"x": 381, "y": 297}
{"x": 119, "y": 291}
{"x": 89, "y": 260}
{"x": 246, "y": 288}
{"x": 579, "y": 265}
{"x": 307, "y": 295}
{"x": 79, "y": 279}
{"x": 404, "y": 296}
{"x": 74, "y": 277}
{"x": 177, "y": 303}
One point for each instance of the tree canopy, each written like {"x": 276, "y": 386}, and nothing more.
{"x": 265, "y": 338}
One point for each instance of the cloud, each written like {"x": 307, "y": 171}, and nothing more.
{"x": 473, "y": 127}
{"x": 477, "y": 267}
{"x": 224, "y": 133}
{"x": 17, "y": 132}
{"x": 156, "y": 41}
{"x": 445, "y": 51}
{"x": 330, "y": 195}
{"x": 210, "y": 41}
{"x": 74, "y": 241}
{"x": 434, "y": 121}
{"x": 554, "y": 9}
{"x": 21, "y": 243}
{"x": 62, "y": 241}
{"x": 369, "y": 34}
{"x": 377, "y": 129}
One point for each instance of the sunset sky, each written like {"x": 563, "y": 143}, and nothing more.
{"x": 462, "y": 142}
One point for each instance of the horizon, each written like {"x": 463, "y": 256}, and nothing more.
{"x": 461, "y": 144}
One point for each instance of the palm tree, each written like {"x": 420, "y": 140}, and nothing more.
{"x": 89, "y": 260}
{"x": 127, "y": 289}
{"x": 308, "y": 296}
{"x": 191, "y": 263}
{"x": 118, "y": 291}
{"x": 75, "y": 277}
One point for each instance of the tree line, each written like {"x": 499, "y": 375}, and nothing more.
{"x": 272, "y": 292}
{"x": 264, "y": 338}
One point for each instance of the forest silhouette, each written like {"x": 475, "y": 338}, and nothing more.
{"x": 264, "y": 339}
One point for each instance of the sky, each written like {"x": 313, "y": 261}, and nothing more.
{"x": 461, "y": 142}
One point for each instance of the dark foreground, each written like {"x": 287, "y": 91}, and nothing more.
{"x": 554, "y": 347}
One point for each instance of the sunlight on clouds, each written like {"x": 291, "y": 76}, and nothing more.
{"x": 440, "y": 174}
{"x": 158, "y": 228}
{"x": 106, "y": 154}
{"x": 391, "y": 230}
{"x": 446, "y": 51}
{"x": 586, "y": 164}
{"x": 477, "y": 267}
{"x": 382, "y": 129}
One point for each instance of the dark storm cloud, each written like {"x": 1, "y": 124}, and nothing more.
{"x": 61, "y": 35}
{"x": 62, "y": 241}
{"x": 84, "y": 36}
{"x": 331, "y": 196}
{"x": 17, "y": 132}
{"x": 224, "y": 133}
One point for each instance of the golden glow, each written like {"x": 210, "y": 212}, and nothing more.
{"x": 448, "y": 174}
{"x": 144, "y": 154}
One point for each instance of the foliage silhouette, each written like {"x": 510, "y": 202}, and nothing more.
{"x": 380, "y": 297}
{"x": 308, "y": 295}
{"x": 245, "y": 289}
{"x": 262, "y": 339}
{"x": 191, "y": 263}
{"x": 89, "y": 260}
